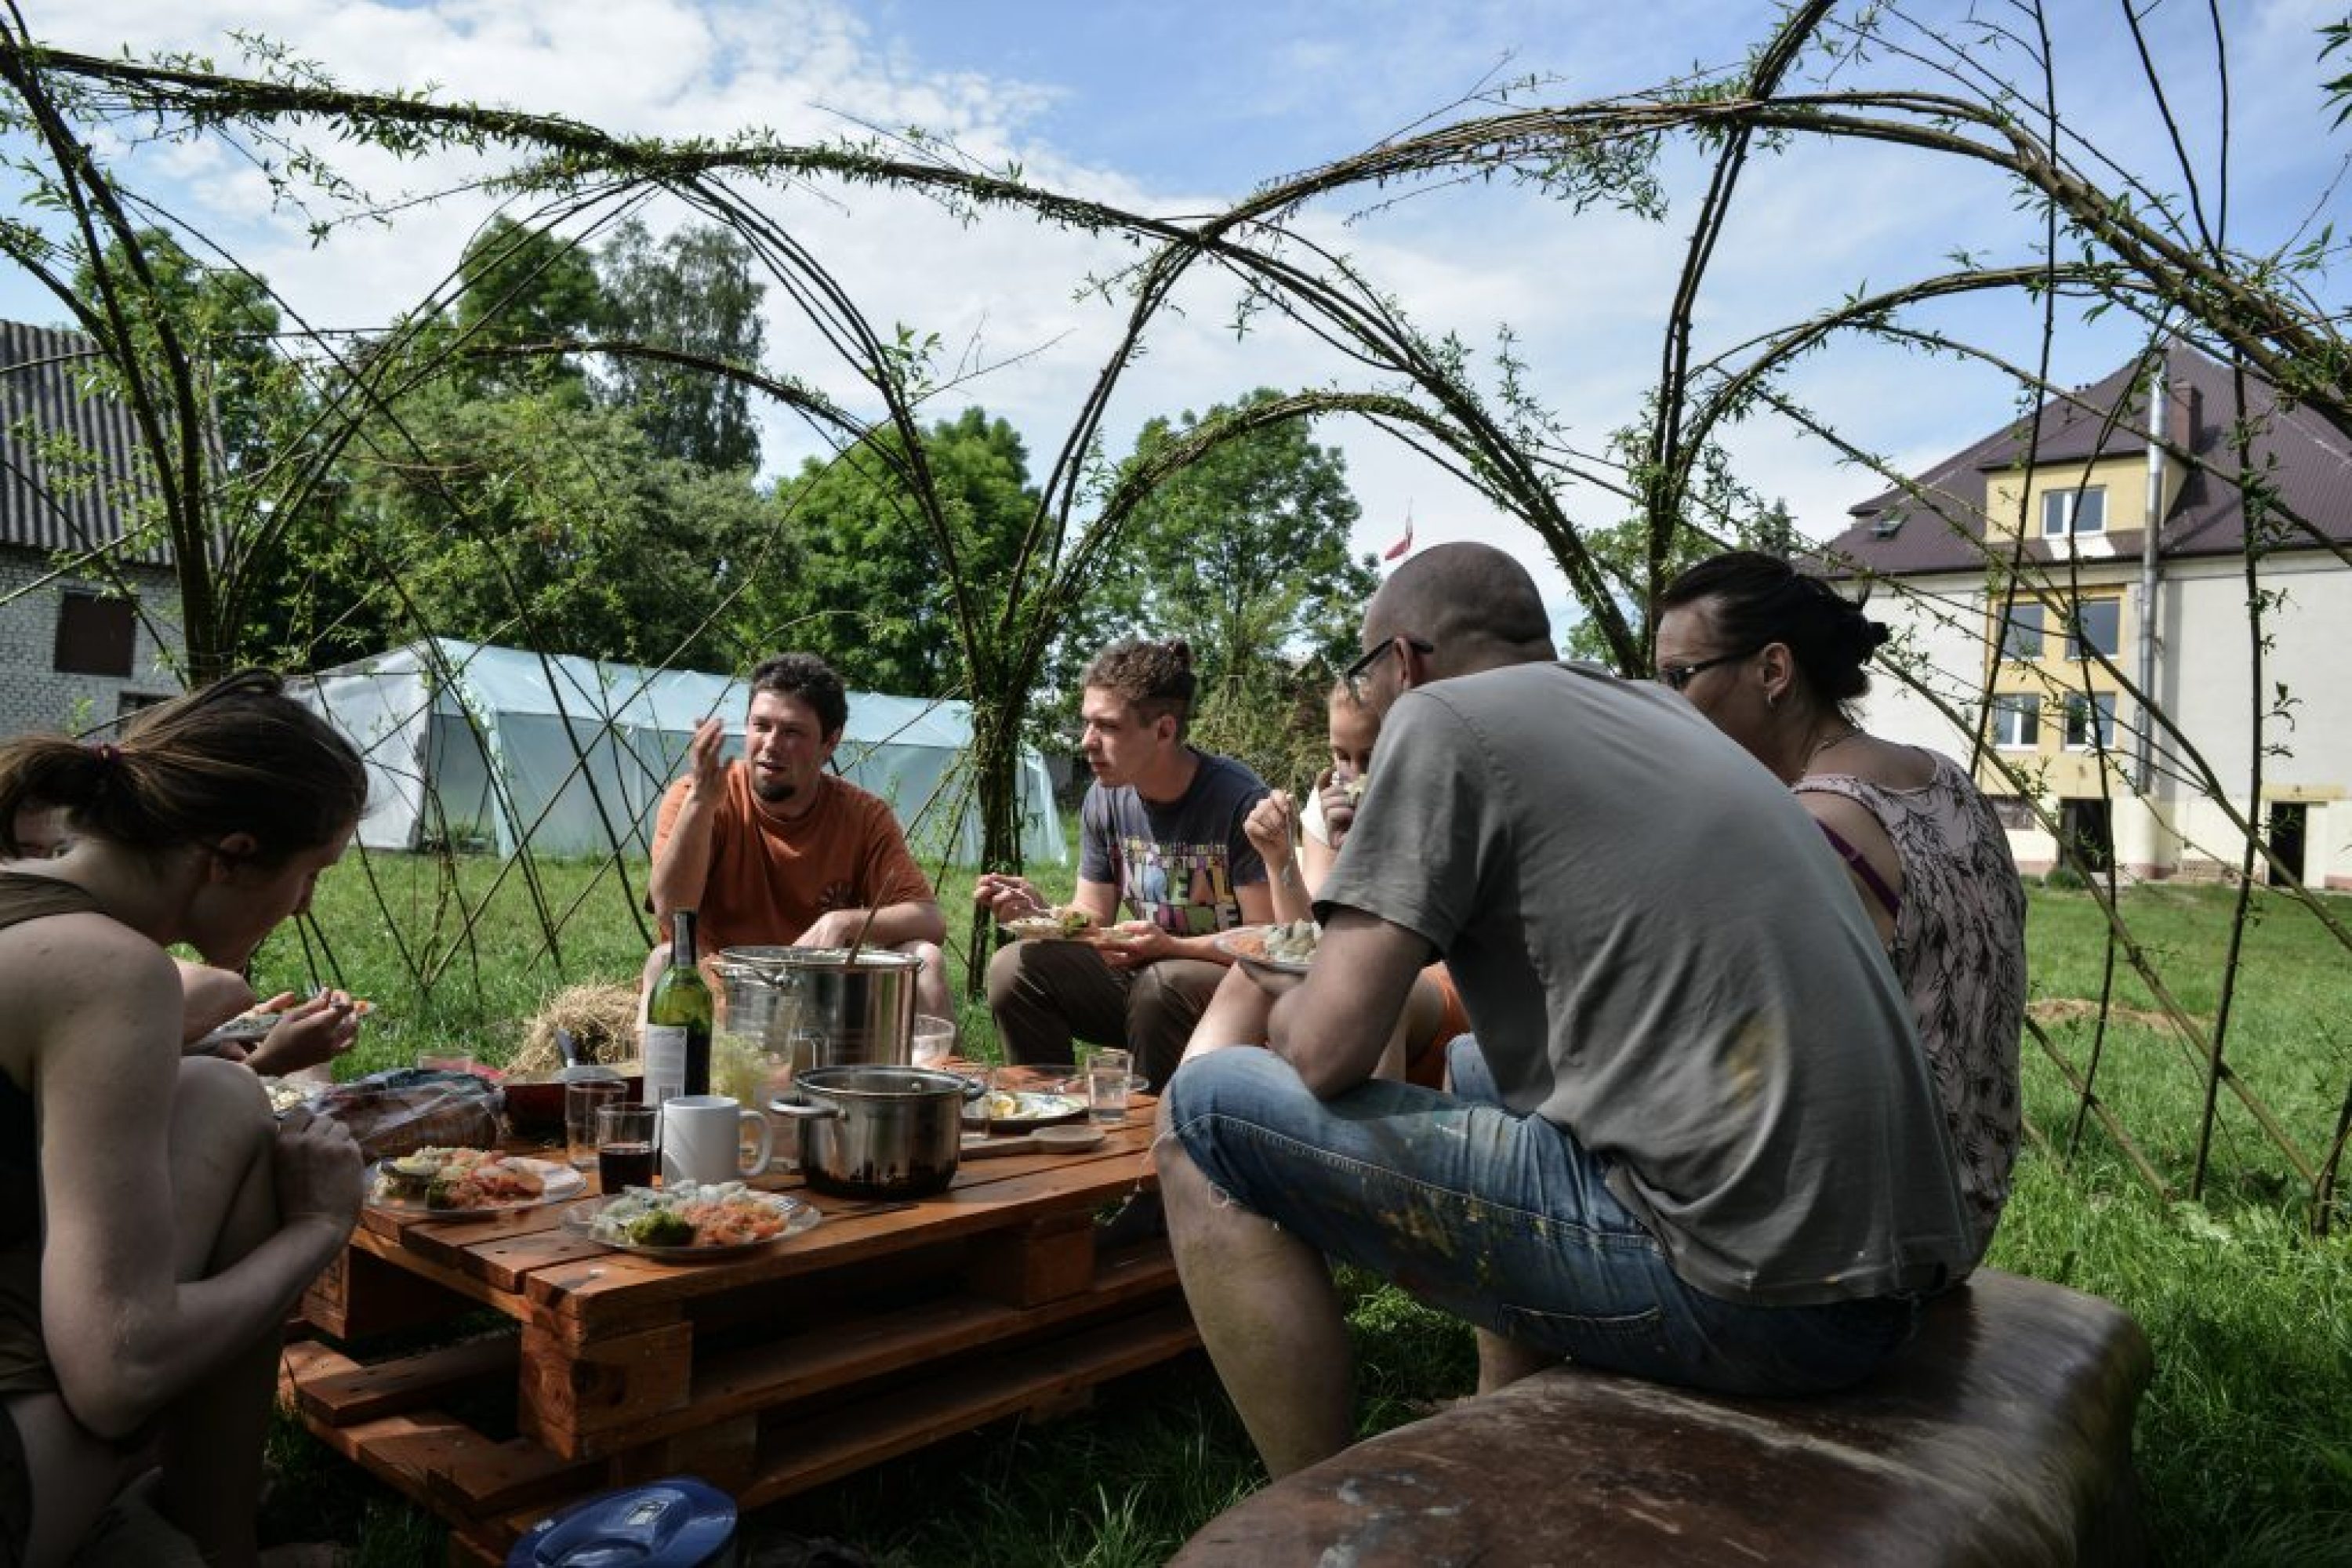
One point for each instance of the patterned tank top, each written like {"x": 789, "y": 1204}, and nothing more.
{"x": 1960, "y": 954}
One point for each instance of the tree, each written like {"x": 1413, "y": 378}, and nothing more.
{"x": 521, "y": 287}
{"x": 692, "y": 293}
{"x": 872, "y": 590}
{"x": 538, "y": 520}
{"x": 1244, "y": 553}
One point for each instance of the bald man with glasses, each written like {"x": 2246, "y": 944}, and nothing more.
{"x": 1692, "y": 1139}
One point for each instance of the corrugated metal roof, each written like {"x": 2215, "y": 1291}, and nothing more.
{"x": 2306, "y": 459}
{"x": 63, "y": 503}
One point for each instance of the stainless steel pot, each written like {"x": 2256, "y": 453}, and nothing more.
{"x": 879, "y": 1131}
{"x": 822, "y": 1007}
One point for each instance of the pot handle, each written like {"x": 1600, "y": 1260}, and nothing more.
{"x": 801, "y": 1110}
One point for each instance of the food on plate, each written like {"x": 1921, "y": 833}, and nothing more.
{"x": 1071, "y": 924}
{"x": 259, "y": 1021}
{"x": 706, "y": 1214}
{"x": 286, "y": 1093}
{"x": 458, "y": 1179}
{"x": 1293, "y": 943}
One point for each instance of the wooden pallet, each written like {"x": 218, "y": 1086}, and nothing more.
{"x": 889, "y": 1327}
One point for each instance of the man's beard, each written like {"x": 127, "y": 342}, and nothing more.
{"x": 773, "y": 789}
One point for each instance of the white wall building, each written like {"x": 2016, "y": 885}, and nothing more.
{"x": 89, "y": 619}
{"x": 2098, "y": 621}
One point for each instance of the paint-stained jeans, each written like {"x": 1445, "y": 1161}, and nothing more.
{"x": 1500, "y": 1219}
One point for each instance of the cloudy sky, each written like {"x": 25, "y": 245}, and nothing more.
{"x": 1180, "y": 109}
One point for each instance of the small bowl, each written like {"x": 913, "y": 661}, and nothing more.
{"x": 534, "y": 1101}
{"x": 1068, "y": 1139}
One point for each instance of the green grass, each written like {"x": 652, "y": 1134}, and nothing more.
{"x": 2244, "y": 1442}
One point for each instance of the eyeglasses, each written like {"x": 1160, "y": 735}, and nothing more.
{"x": 1353, "y": 676}
{"x": 1677, "y": 676}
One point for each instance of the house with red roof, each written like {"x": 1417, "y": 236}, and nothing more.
{"x": 2145, "y": 657}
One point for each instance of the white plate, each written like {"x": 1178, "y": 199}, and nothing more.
{"x": 250, "y": 1028}
{"x": 1029, "y": 928}
{"x": 800, "y": 1217}
{"x": 1038, "y": 1108}
{"x": 1247, "y": 945}
{"x": 561, "y": 1181}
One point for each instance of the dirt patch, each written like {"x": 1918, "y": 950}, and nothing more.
{"x": 2067, "y": 1009}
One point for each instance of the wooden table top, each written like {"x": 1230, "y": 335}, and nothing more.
{"x": 527, "y": 1266}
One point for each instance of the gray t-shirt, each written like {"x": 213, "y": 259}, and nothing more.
{"x": 1176, "y": 865}
{"x": 1660, "y": 952}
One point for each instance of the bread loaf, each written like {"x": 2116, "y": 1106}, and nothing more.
{"x": 394, "y": 1114}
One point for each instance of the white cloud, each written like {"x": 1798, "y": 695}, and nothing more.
{"x": 1199, "y": 104}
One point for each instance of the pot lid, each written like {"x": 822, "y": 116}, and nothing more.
{"x": 873, "y": 1081}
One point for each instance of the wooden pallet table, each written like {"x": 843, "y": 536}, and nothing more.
{"x": 890, "y": 1326}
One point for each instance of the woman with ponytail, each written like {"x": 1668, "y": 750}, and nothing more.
{"x": 156, "y": 1224}
{"x": 1775, "y": 658}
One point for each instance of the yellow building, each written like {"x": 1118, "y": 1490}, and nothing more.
{"x": 2083, "y": 611}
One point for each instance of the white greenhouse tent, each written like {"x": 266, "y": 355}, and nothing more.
{"x": 483, "y": 747}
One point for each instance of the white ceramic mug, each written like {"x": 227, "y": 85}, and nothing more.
{"x": 703, "y": 1140}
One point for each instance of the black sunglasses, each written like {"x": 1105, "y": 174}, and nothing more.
{"x": 1353, "y": 676}
{"x": 1677, "y": 676}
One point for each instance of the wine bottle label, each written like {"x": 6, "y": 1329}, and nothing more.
{"x": 664, "y": 1053}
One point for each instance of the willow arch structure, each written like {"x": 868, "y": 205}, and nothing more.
{"x": 2110, "y": 240}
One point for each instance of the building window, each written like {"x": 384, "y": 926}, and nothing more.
{"x": 2020, "y": 643}
{"x": 95, "y": 635}
{"x": 2097, "y": 628}
{"x": 2073, "y": 512}
{"x": 2016, "y": 722}
{"x": 2090, "y": 722}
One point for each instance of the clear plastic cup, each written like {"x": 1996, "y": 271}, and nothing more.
{"x": 934, "y": 1041}
{"x": 1108, "y": 1074}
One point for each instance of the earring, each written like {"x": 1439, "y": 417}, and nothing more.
{"x": 1771, "y": 702}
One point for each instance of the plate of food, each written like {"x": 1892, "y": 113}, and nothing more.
{"x": 1052, "y": 925}
{"x": 1276, "y": 949}
{"x": 253, "y": 1026}
{"x": 690, "y": 1223}
{"x": 1022, "y": 1096}
{"x": 453, "y": 1183}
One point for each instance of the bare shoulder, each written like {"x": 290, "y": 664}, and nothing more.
{"x": 1888, "y": 764}
{"x": 72, "y": 961}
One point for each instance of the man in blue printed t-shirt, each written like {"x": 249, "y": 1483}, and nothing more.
{"x": 1161, "y": 830}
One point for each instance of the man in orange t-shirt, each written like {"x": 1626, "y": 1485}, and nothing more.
{"x": 776, "y": 851}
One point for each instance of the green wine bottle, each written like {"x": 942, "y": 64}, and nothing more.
{"x": 677, "y": 1021}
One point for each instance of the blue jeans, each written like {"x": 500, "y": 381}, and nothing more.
{"x": 1504, "y": 1220}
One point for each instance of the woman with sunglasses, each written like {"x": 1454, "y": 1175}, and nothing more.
{"x": 155, "y": 1222}
{"x": 1775, "y": 659}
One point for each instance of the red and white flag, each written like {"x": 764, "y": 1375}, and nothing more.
{"x": 1401, "y": 546}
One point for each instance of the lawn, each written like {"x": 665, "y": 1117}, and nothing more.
{"x": 2244, "y": 1442}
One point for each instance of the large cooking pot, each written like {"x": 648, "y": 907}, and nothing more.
{"x": 823, "y": 1007}
{"x": 879, "y": 1131}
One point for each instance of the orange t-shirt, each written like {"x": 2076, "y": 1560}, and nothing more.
{"x": 769, "y": 877}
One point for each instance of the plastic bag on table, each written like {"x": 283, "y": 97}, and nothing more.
{"x": 406, "y": 1108}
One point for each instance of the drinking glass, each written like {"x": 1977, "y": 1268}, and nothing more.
{"x": 444, "y": 1061}
{"x": 581, "y": 1102}
{"x": 1108, "y": 1074}
{"x": 624, "y": 1146}
{"x": 933, "y": 1039}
